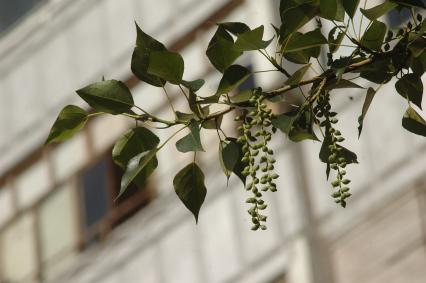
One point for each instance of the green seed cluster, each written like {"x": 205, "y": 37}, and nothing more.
{"x": 336, "y": 160}
{"x": 258, "y": 157}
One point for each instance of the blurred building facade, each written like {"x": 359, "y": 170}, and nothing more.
{"x": 58, "y": 218}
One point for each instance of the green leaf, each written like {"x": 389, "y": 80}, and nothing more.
{"x": 193, "y": 105}
{"x": 410, "y": 86}
{"x": 222, "y": 163}
{"x": 191, "y": 142}
{"x": 373, "y": 37}
{"x": 239, "y": 165}
{"x": 70, "y": 120}
{"x": 418, "y": 64}
{"x": 135, "y": 167}
{"x": 242, "y": 98}
{"x": 145, "y": 44}
{"x": 229, "y": 156}
{"x": 305, "y": 41}
{"x": 414, "y": 123}
{"x": 132, "y": 143}
{"x": 378, "y": 11}
{"x": 284, "y": 122}
{"x": 417, "y": 46}
{"x": 166, "y": 65}
{"x": 108, "y": 96}
{"x": 350, "y": 7}
{"x": 295, "y": 15}
{"x": 193, "y": 85}
{"x": 221, "y": 51}
{"x": 341, "y": 83}
{"x": 334, "y": 42}
{"x": 233, "y": 76}
{"x": 212, "y": 124}
{"x": 298, "y": 75}
{"x": 332, "y": 10}
{"x": 251, "y": 40}
{"x": 186, "y": 117}
{"x": 235, "y": 28}
{"x": 189, "y": 187}
{"x": 297, "y": 125}
{"x": 367, "y": 102}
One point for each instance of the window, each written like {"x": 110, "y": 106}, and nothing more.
{"x": 12, "y": 11}
{"x": 99, "y": 187}
{"x": 42, "y": 240}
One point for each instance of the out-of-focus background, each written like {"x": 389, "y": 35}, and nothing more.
{"x": 58, "y": 220}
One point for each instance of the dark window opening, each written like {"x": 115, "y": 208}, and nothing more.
{"x": 99, "y": 188}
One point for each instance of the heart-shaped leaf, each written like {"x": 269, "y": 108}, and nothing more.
{"x": 145, "y": 44}
{"x": 251, "y": 40}
{"x": 305, "y": 41}
{"x": 221, "y": 51}
{"x": 112, "y": 97}
{"x": 378, "y": 11}
{"x": 414, "y": 123}
{"x": 410, "y": 86}
{"x": 70, "y": 120}
{"x": 298, "y": 75}
{"x": 135, "y": 167}
{"x": 189, "y": 187}
{"x": 373, "y": 37}
{"x": 132, "y": 143}
{"x": 166, "y": 65}
{"x": 234, "y": 76}
{"x": 350, "y": 7}
{"x": 192, "y": 141}
{"x": 193, "y": 85}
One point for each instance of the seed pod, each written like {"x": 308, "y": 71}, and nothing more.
{"x": 251, "y": 200}
{"x": 335, "y": 183}
{"x": 336, "y": 194}
{"x": 262, "y": 218}
{"x": 262, "y": 207}
{"x": 255, "y": 227}
{"x": 263, "y": 227}
{"x": 346, "y": 181}
{"x": 345, "y": 189}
